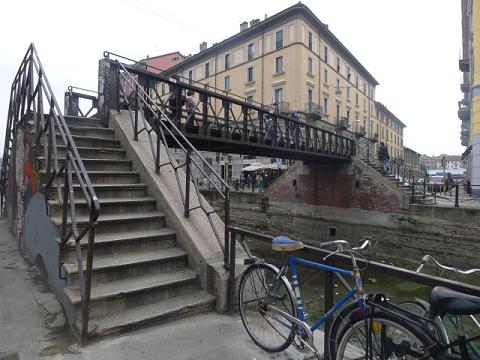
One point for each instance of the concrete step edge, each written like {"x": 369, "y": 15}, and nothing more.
{"x": 101, "y": 263}
{"x": 108, "y": 219}
{"x": 161, "y": 312}
{"x": 111, "y": 201}
{"x": 131, "y": 286}
{"x": 90, "y": 160}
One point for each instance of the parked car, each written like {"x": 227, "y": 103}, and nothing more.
{"x": 439, "y": 182}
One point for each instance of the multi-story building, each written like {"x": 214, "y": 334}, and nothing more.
{"x": 163, "y": 62}
{"x": 292, "y": 61}
{"x": 387, "y": 128}
{"x": 411, "y": 162}
{"x": 452, "y": 162}
{"x": 469, "y": 106}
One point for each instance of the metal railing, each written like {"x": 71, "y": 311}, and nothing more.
{"x": 239, "y": 234}
{"x": 147, "y": 116}
{"x": 72, "y": 101}
{"x": 217, "y": 116}
{"x": 30, "y": 96}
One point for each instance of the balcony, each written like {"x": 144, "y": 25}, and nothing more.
{"x": 360, "y": 131}
{"x": 465, "y": 87}
{"x": 313, "y": 111}
{"x": 464, "y": 113}
{"x": 342, "y": 123}
{"x": 464, "y": 65}
{"x": 281, "y": 107}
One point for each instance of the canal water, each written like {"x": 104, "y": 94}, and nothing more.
{"x": 312, "y": 291}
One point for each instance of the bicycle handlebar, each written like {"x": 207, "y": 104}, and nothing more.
{"x": 345, "y": 243}
{"x": 427, "y": 258}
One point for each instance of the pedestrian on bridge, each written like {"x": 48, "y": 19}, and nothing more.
{"x": 383, "y": 157}
{"x": 191, "y": 105}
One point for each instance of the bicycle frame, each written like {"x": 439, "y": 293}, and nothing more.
{"x": 292, "y": 262}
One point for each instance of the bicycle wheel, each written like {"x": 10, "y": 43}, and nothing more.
{"x": 344, "y": 317}
{"x": 258, "y": 290}
{"x": 391, "y": 338}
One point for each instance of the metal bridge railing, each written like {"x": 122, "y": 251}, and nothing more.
{"x": 72, "y": 101}
{"x": 232, "y": 119}
{"x": 30, "y": 97}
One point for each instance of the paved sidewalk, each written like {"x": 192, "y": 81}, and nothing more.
{"x": 32, "y": 326}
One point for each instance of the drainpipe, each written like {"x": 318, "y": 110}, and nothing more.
{"x": 475, "y": 91}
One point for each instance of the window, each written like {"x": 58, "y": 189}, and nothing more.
{"x": 279, "y": 64}
{"x": 250, "y": 100}
{"x": 348, "y": 92}
{"x": 227, "y": 61}
{"x": 310, "y": 96}
{"x": 364, "y": 104}
{"x": 364, "y": 87}
{"x": 348, "y": 115}
{"x": 207, "y": 70}
{"x": 227, "y": 83}
{"x": 250, "y": 74}
{"x": 310, "y": 40}
{"x": 310, "y": 65}
{"x": 338, "y": 64}
{"x": 338, "y": 84}
{"x": 278, "y": 95}
{"x": 356, "y": 99}
{"x": 325, "y": 105}
{"x": 163, "y": 89}
{"x": 325, "y": 73}
{"x": 250, "y": 52}
{"x": 338, "y": 111}
{"x": 349, "y": 75}
{"x": 190, "y": 77}
{"x": 279, "y": 40}
{"x": 356, "y": 80}
{"x": 325, "y": 54}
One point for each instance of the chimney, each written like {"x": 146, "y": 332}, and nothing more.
{"x": 203, "y": 46}
{"x": 254, "y": 21}
{"x": 243, "y": 26}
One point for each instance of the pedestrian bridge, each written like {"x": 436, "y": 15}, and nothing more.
{"x": 220, "y": 122}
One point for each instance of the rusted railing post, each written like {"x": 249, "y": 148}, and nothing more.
{"x": 231, "y": 275}
{"x": 456, "y": 195}
{"x": 187, "y": 184}
{"x": 227, "y": 221}
{"x": 135, "y": 130}
{"x": 329, "y": 303}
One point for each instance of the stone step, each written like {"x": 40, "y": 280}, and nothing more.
{"x": 171, "y": 309}
{"x": 97, "y": 164}
{"x": 119, "y": 222}
{"x": 108, "y": 177}
{"x": 108, "y": 268}
{"x": 91, "y": 141}
{"x": 107, "y": 190}
{"x": 118, "y": 295}
{"x": 117, "y": 242}
{"x": 90, "y": 152}
{"x": 82, "y": 121}
{"x": 108, "y": 206}
{"x": 91, "y": 131}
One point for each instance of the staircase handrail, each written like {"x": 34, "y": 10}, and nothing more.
{"x": 162, "y": 125}
{"x": 27, "y": 103}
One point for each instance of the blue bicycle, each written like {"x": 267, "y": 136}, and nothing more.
{"x": 272, "y": 309}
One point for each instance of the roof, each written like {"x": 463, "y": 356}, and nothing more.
{"x": 163, "y": 55}
{"x": 385, "y": 109}
{"x": 407, "y": 148}
{"x": 292, "y": 11}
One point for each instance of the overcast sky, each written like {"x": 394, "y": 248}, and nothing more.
{"x": 411, "y": 47}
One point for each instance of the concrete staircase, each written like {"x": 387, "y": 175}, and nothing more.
{"x": 140, "y": 275}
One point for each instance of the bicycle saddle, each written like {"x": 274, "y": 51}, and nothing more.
{"x": 444, "y": 300}
{"x": 283, "y": 243}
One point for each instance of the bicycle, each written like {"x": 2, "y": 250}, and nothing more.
{"x": 272, "y": 309}
{"x": 422, "y": 307}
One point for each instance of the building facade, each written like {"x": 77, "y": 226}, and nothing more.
{"x": 294, "y": 63}
{"x": 469, "y": 106}
{"x": 160, "y": 63}
{"x": 387, "y": 128}
{"x": 411, "y": 162}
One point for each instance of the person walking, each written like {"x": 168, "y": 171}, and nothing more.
{"x": 383, "y": 157}
{"x": 191, "y": 105}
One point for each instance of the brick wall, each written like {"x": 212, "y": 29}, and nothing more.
{"x": 344, "y": 186}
